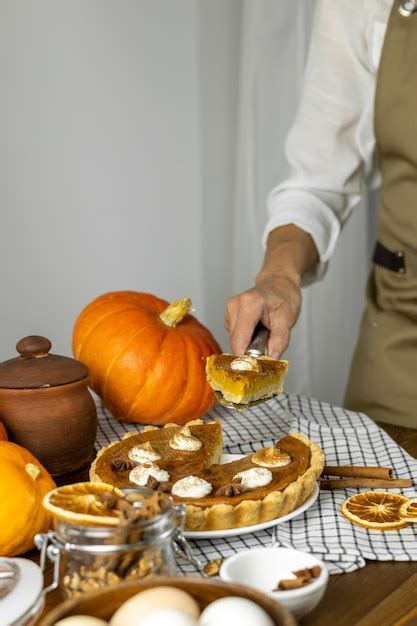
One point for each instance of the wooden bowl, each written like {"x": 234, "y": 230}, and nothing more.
{"x": 104, "y": 603}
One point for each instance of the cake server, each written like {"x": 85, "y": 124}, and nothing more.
{"x": 259, "y": 342}
{"x": 256, "y": 348}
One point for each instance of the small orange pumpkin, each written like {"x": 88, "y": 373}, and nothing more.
{"x": 23, "y": 484}
{"x": 3, "y": 432}
{"x": 146, "y": 357}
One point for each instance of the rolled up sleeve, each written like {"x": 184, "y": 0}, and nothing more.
{"x": 324, "y": 149}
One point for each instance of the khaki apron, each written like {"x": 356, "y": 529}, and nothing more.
{"x": 383, "y": 377}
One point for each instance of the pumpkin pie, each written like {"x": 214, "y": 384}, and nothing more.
{"x": 184, "y": 462}
{"x": 245, "y": 379}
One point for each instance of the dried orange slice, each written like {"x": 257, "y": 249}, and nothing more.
{"x": 376, "y": 510}
{"x": 408, "y": 510}
{"x": 84, "y": 503}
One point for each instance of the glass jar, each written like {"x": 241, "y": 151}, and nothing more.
{"x": 93, "y": 557}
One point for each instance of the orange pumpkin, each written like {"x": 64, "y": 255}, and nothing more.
{"x": 146, "y": 358}
{"x": 3, "y": 432}
{"x": 23, "y": 484}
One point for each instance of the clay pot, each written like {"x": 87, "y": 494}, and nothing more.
{"x": 47, "y": 408}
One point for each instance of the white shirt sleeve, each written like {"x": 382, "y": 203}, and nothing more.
{"x": 328, "y": 148}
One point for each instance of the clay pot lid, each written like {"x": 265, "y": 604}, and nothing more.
{"x": 36, "y": 368}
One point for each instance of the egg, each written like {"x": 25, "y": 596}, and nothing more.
{"x": 173, "y": 617}
{"x": 81, "y": 620}
{"x": 134, "y": 610}
{"x": 233, "y": 610}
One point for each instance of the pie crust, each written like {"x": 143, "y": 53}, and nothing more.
{"x": 291, "y": 485}
{"x": 249, "y": 511}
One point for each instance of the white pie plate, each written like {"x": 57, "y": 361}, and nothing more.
{"x": 231, "y": 532}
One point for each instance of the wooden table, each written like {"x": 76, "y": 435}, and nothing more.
{"x": 380, "y": 594}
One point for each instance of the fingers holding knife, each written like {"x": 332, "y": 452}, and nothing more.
{"x": 275, "y": 303}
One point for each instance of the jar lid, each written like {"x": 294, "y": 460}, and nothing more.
{"x": 21, "y": 584}
{"x": 36, "y": 368}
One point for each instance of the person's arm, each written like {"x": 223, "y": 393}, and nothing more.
{"x": 276, "y": 297}
{"x": 329, "y": 149}
{"x": 290, "y": 252}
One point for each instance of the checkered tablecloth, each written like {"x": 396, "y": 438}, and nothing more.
{"x": 347, "y": 438}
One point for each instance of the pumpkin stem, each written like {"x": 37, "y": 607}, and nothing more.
{"x": 33, "y": 470}
{"x": 175, "y": 312}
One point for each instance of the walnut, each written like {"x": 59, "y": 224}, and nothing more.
{"x": 112, "y": 578}
{"x": 108, "y": 499}
{"x": 126, "y": 508}
{"x": 109, "y": 571}
{"x": 152, "y": 483}
{"x": 113, "y": 502}
{"x": 212, "y": 568}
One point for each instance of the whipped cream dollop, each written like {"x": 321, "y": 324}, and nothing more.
{"x": 140, "y": 474}
{"x": 245, "y": 363}
{"x": 254, "y": 477}
{"x": 144, "y": 453}
{"x": 271, "y": 457}
{"x": 184, "y": 440}
{"x": 191, "y": 487}
{"x": 146, "y": 429}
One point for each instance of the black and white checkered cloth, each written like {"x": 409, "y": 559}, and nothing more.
{"x": 347, "y": 438}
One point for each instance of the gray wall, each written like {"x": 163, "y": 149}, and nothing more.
{"x": 138, "y": 141}
{"x": 109, "y": 114}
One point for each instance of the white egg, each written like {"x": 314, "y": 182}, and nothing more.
{"x": 234, "y": 610}
{"x": 171, "y": 617}
{"x": 81, "y": 620}
{"x": 138, "y": 607}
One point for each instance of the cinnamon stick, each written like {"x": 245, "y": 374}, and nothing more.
{"x": 373, "y": 483}
{"x": 348, "y": 471}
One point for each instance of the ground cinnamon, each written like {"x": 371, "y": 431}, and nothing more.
{"x": 347, "y": 483}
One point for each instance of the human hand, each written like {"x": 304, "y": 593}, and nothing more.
{"x": 275, "y": 300}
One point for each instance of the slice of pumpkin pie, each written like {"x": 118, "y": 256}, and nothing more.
{"x": 245, "y": 379}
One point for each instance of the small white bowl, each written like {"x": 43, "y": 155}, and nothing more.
{"x": 263, "y": 568}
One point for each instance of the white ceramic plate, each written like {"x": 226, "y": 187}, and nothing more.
{"x": 231, "y": 532}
